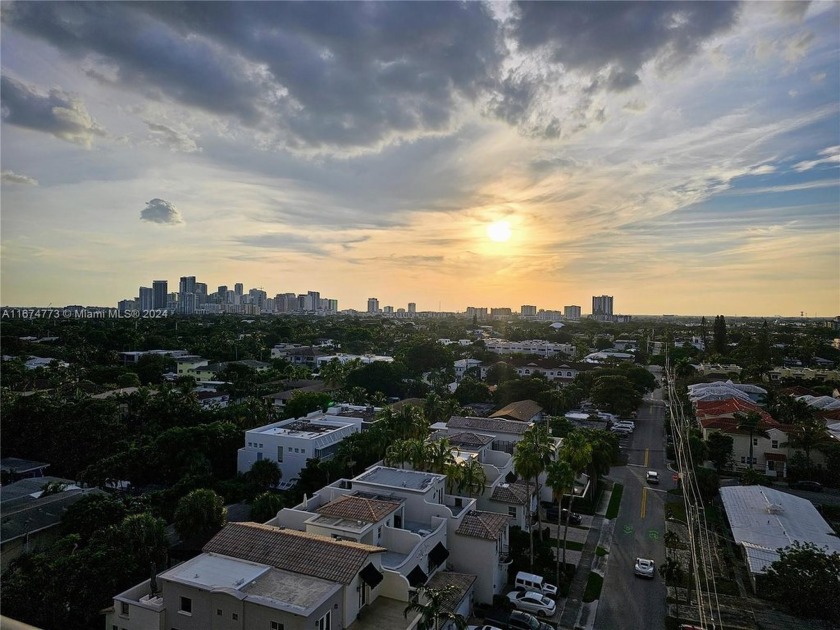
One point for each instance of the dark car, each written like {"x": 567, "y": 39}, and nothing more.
{"x": 552, "y": 514}
{"x": 813, "y": 486}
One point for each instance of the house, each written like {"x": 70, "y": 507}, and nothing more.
{"x": 257, "y": 576}
{"x": 292, "y": 442}
{"x": 764, "y": 520}
{"x": 14, "y": 469}
{"x": 132, "y": 357}
{"x": 32, "y": 521}
{"x": 537, "y": 347}
{"x": 186, "y": 364}
{"x": 280, "y": 399}
{"x": 464, "y": 365}
{"x": 410, "y": 514}
{"x": 552, "y": 368}
{"x": 505, "y": 432}
{"x": 342, "y": 358}
{"x": 520, "y": 411}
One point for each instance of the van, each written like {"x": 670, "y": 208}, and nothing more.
{"x": 535, "y": 583}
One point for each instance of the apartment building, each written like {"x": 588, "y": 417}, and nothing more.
{"x": 533, "y": 346}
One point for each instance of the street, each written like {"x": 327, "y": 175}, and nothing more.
{"x": 630, "y": 602}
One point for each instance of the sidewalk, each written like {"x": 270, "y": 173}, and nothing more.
{"x": 576, "y": 613}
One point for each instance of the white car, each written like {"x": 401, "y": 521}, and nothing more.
{"x": 645, "y": 568}
{"x": 532, "y": 602}
{"x": 652, "y": 477}
{"x": 625, "y": 423}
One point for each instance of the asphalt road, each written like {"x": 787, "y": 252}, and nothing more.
{"x": 630, "y": 602}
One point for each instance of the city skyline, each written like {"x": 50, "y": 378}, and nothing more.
{"x": 680, "y": 157}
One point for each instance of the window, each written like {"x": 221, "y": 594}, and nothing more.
{"x": 276, "y": 625}
{"x": 512, "y": 511}
{"x": 325, "y": 622}
{"x": 186, "y": 605}
{"x": 124, "y": 608}
{"x": 774, "y": 444}
{"x": 219, "y": 612}
{"x": 290, "y": 449}
{"x": 259, "y": 456}
{"x": 234, "y": 616}
{"x": 297, "y": 450}
{"x": 755, "y": 441}
{"x": 280, "y": 454}
{"x": 743, "y": 459}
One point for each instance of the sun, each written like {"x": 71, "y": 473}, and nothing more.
{"x": 499, "y": 231}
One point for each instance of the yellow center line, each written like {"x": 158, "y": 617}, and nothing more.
{"x": 647, "y": 457}
{"x": 644, "y": 502}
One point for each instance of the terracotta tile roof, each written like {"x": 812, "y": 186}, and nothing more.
{"x": 461, "y": 583}
{"x": 511, "y": 493}
{"x": 729, "y": 407}
{"x": 292, "y": 550}
{"x": 728, "y": 424}
{"x": 359, "y": 508}
{"x": 487, "y": 525}
{"x": 492, "y": 426}
{"x": 521, "y": 410}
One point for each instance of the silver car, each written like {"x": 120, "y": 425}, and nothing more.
{"x": 645, "y": 568}
{"x": 532, "y": 602}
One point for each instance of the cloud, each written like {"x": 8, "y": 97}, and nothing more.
{"x": 308, "y": 76}
{"x": 831, "y": 155}
{"x": 161, "y": 211}
{"x": 57, "y": 113}
{"x": 10, "y": 177}
{"x": 174, "y": 140}
{"x": 618, "y": 37}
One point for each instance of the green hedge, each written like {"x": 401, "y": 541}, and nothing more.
{"x": 615, "y": 500}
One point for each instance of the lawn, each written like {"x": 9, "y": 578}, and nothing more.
{"x": 615, "y": 500}
{"x": 593, "y": 587}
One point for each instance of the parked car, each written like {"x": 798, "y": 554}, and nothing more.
{"x": 645, "y": 568}
{"x": 813, "y": 486}
{"x": 652, "y": 477}
{"x": 532, "y": 602}
{"x": 625, "y": 423}
{"x": 621, "y": 430}
{"x": 531, "y": 582}
{"x": 518, "y": 620}
{"x": 554, "y": 512}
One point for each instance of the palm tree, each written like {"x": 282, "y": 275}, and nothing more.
{"x": 473, "y": 479}
{"x": 543, "y": 448}
{"x": 808, "y": 435}
{"x": 751, "y": 422}
{"x": 398, "y": 452}
{"x": 433, "y": 408}
{"x": 672, "y": 572}
{"x": 577, "y": 451}
{"x": 527, "y": 465}
{"x": 417, "y": 454}
{"x": 561, "y": 480}
{"x": 431, "y": 612}
{"x": 439, "y": 455}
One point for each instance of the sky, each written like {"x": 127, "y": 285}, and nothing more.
{"x": 682, "y": 157}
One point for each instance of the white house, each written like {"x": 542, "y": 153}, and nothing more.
{"x": 291, "y": 442}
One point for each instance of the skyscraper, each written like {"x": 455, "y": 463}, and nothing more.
{"x": 187, "y": 284}
{"x": 602, "y": 306}
{"x": 238, "y": 288}
{"x": 160, "y": 290}
{"x": 527, "y": 310}
{"x": 373, "y": 305}
{"x": 571, "y": 312}
{"x": 147, "y": 298}
{"x": 412, "y": 308}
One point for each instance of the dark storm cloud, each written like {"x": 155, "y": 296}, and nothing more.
{"x": 621, "y": 36}
{"x": 56, "y": 112}
{"x": 350, "y": 76}
{"x": 339, "y": 74}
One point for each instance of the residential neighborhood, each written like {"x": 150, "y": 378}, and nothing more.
{"x": 416, "y": 480}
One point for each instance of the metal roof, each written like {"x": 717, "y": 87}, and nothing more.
{"x": 767, "y": 519}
